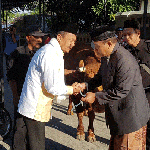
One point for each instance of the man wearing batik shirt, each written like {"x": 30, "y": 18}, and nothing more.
{"x": 44, "y": 80}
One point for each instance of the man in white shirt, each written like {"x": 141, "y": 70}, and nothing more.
{"x": 44, "y": 80}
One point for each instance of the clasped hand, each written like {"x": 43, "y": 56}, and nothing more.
{"x": 77, "y": 87}
{"x": 90, "y": 97}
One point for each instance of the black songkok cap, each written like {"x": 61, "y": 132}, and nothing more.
{"x": 131, "y": 24}
{"x": 102, "y": 33}
{"x": 68, "y": 27}
{"x": 34, "y": 31}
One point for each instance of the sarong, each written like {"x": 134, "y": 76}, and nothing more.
{"x": 132, "y": 141}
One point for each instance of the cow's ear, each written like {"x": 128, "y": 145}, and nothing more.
{"x": 81, "y": 63}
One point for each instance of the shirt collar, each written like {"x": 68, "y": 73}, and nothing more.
{"x": 115, "y": 48}
{"x": 140, "y": 45}
{"x": 28, "y": 51}
{"x": 55, "y": 43}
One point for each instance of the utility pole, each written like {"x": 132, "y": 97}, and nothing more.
{"x": 145, "y": 17}
{"x": 1, "y": 62}
{"x": 43, "y": 17}
{"x": 40, "y": 18}
{"x": 105, "y": 10}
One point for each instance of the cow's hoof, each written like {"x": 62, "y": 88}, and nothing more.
{"x": 91, "y": 139}
{"x": 80, "y": 137}
{"x": 69, "y": 112}
{"x": 91, "y": 136}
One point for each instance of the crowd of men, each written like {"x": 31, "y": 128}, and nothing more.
{"x": 124, "y": 75}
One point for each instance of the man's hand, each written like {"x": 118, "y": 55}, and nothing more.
{"x": 90, "y": 97}
{"x": 77, "y": 87}
{"x": 66, "y": 71}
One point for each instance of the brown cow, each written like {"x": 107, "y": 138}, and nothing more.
{"x": 82, "y": 55}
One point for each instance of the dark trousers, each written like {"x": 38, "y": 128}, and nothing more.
{"x": 29, "y": 134}
{"x": 15, "y": 118}
{"x": 15, "y": 115}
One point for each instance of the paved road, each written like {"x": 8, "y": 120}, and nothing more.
{"x": 61, "y": 129}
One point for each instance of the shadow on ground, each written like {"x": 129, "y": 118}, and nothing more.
{"x": 52, "y": 145}
{"x": 58, "y": 125}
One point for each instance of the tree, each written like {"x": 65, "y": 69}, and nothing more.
{"x": 87, "y": 13}
{"x": 31, "y": 8}
{"x": 78, "y": 11}
{"x": 106, "y": 9}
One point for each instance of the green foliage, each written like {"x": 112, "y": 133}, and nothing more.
{"x": 33, "y": 7}
{"x": 78, "y": 11}
{"x": 87, "y": 13}
{"x": 106, "y": 8}
{"x": 12, "y": 17}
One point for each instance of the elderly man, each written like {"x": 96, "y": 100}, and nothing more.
{"x": 44, "y": 80}
{"x": 126, "y": 106}
{"x": 20, "y": 59}
{"x": 140, "y": 50}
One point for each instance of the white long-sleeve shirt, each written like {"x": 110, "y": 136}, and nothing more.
{"x": 46, "y": 67}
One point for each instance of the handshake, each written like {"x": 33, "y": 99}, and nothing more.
{"x": 80, "y": 87}
{"x": 77, "y": 87}
{"x": 90, "y": 96}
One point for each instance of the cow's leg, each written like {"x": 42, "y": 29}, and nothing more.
{"x": 85, "y": 109}
{"x": 80, "y": 128}
{"x": 85, "y": 112}
{"x": 69, "y": 112}
{"x": 80, "y": 113}
{"x": 91, "y": 115}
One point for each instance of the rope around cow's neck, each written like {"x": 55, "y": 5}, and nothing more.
{"x": 83, "y": 95}
{"x": 81, "y": 103}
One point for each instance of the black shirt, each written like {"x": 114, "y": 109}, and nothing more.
{"x": 142, "y": 55}
{"x": 21, "y": 58}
